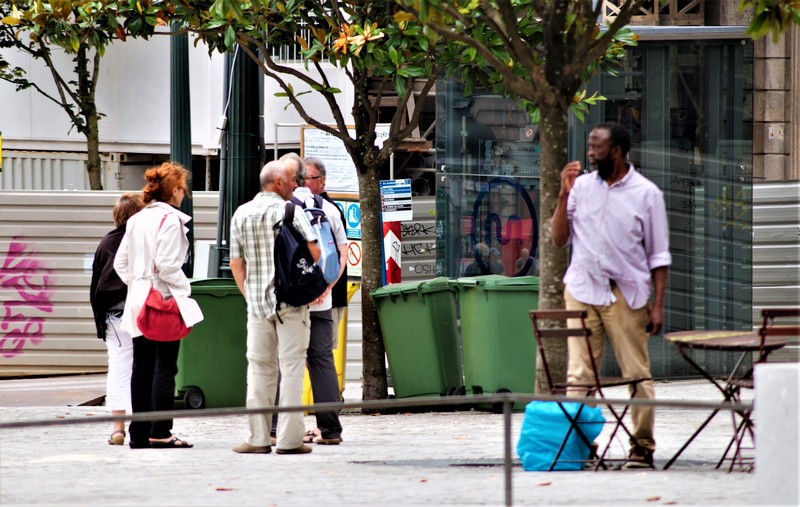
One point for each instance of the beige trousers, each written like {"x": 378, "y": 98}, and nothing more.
{"x": 267, "y": 341}
{"x": 626, "y": 331}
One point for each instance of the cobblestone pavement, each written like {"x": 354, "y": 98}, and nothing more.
{"x": 434, "y": 458}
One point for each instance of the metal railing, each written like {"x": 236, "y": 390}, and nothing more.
{"x": 502, "y": 401}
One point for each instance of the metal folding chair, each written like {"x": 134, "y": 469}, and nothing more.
{"x": 561, "y": 331}
{"x": 769, "y": 337}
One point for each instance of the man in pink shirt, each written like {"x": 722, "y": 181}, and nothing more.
{"x": 616, "y": 223}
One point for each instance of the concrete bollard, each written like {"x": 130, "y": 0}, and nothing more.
{"x": 777, "y": 437}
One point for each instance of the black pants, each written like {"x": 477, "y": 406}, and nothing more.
{"x": 152, "y": 387}
{"x": 322, "y": 373}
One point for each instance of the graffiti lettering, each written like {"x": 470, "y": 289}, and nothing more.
{"x": 24, "y": 275}
{"x": 423, "y": 269}
{"x": 418, "y": 229}
{"x": 417, "y": 249}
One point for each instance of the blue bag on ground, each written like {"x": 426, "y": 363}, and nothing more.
{"x": 544, "y": 428}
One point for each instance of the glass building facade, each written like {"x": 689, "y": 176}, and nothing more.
{"x": 688, "y": 107}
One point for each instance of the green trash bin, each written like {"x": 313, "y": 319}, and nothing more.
{"x": 212, "y": 362}
{"x": 420, "y": 333}
{"x": 498, "y": 345}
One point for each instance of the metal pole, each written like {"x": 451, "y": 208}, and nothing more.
{"x": 507, "y": 406}
{"x": 223, "y": 166}
{"x": 180, "y": 146}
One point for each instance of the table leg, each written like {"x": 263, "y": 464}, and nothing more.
{"x": 694, "y": 435}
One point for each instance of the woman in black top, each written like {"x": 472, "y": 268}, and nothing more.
{"x": 107, "y": 296}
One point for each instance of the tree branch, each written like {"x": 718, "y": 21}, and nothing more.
{"x": 276, "y": 72}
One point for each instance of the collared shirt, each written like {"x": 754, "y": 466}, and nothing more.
{"x": 253, "y": 239}
{"x": 618, "y": 233}
{"x": 337, "y": 228}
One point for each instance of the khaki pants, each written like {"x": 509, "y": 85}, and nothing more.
{"x": 267, "y": 341}
{"x": 626, "y": 331}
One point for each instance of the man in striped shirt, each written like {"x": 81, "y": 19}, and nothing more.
{"x": 270, "y": 339}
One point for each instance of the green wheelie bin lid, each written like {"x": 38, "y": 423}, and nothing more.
{"x": 497, "y": 282}
{"x": 219, "y": 287}
{"x": 419, "y": 287}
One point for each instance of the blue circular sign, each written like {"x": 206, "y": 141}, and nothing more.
{"x": 353, "y": 215}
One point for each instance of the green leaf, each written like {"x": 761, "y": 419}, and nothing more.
{"x": 230, "y": 37}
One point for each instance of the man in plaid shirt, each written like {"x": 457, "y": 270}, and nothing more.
{"x": 268, "y": 339}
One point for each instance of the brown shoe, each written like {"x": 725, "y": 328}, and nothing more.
{"x": 245, "y": 448}
{"x": 303, "y": 449}
{"x": 639, "y": 457}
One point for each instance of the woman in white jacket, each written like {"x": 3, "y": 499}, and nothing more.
{"x": 153, "y": 250}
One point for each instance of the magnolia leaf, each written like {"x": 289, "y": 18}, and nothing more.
{"x": 8, "y": 20}
{"x": 394, "y": 56}
{"x": 230, "y": 37}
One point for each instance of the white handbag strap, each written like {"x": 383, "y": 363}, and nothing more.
{"x": 155, "y": 246}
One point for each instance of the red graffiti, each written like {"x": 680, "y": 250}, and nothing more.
{"x": 24, "y": 274}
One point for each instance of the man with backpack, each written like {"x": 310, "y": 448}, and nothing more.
{"x": 325, "y": 219}
{"x": 276, "y": 337}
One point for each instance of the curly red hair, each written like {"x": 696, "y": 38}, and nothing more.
{"x": 163, "y": 180}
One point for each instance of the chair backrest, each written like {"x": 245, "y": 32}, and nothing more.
{"x": 563, "y": 331}
{"x": 768, "y": 327}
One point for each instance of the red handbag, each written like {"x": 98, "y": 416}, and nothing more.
{"x": 160, "y": 319}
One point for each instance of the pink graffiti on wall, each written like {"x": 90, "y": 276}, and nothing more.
{"x": 21, "y": 323}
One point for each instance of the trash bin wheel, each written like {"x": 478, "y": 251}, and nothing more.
{"x": 194, "y": 398}
{"x": 497, "y": 408}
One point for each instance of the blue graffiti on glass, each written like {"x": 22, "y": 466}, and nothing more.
{"x": 494, "y": 223}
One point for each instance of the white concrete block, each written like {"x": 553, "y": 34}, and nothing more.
{"x": 777, "y": 435}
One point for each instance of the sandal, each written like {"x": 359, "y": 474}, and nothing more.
{"x": 117, "y": 438}
{"x": 309, "y": 437}
{"x": 173, "y": 443}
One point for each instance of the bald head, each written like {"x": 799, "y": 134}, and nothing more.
{"x": 270, "y": 172}
{"x": 278, "y": 176}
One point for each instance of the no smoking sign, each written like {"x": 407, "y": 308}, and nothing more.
{"x": 354, "y": 255}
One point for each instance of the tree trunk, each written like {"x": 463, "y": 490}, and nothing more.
{"x": 553, "y": 260}
{"x": 373, "y": 351}
{"x": 87, "y": 85}
{"x": 93, "y": 165}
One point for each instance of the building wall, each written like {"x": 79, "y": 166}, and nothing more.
{"x": 775, "y": 109}
{"x": 776, "y": 253}
{"x": 134, "y": 96}
{"x": 47, "y": 244}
